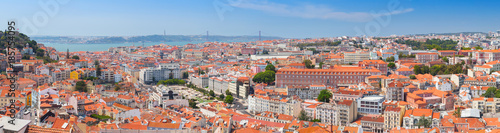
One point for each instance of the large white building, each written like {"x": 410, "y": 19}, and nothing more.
{"x": 218, "y": 85}
{"x": 162, "y": 72}
{"x": 355, "y": 57}
{"x": 164, "y": 96}
{"x": 488, "y": 67}
{"x": 411, "y": 118}
{"x": 276, "y": 104}
{"x": 305, "y": 92}
{"x": 199, "y": 81}
{"x": 370, "y": 104}
{"x": 328, "y": 113}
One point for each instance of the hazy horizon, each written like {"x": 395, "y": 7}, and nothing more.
{"x": 287, "y": 19}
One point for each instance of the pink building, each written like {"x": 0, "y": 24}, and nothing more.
{"x": 337, "y": 76}
{"x": 427, "y": 57}
{"x": 482, "y": 56}
{"x": 347, "y": 95}
{"x": 404, "y": 71}
{"x": 447, "y": 52}
{"x": 379, "y": 64}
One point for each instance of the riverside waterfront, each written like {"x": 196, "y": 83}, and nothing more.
{"x": 105, "y": 46}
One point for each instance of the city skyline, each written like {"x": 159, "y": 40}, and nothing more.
{"x": 289, "y": 19}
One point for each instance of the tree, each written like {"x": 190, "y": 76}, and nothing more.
{"x": 200, "y": 72}
{"x": 212, "y": 93}
{"x": 229, "y": 99}
{"x": 416, "y": 69}
{"x": 490, "y": 92}
{"x": 117, "y": 87}
{"x": 391, "y": 65}
{"x": 457, "y": 113}
{"x": 265, "y": 52}
{"x": 81, "y": 86}
{"x": 445, "y": 59}
{"x": 308, "y": 64}
{"x": 185, "y": 75}
{"x": 497, "y": 93}
{"x": 264, "y": 77}
{"x": 221, "y": 96}
{"x": 303, "y": 116}
{"x": 478, "y": 48}
{"x": 26, "y": 57}
{"x": 390, "y": 59}
{"x": 321, "y": 65}
{"x": 75, "y": 57}
{"x": 228, "y": 92}
{"x": 97, "y": 68}
{"x": 324, "y": 96}
{"x": 424, "y": 122}
{"x": 192, "y": 103}
{"x": 40, "y": 52}
{"x": 413, "y": 77}
{"x": 270, "y": 67}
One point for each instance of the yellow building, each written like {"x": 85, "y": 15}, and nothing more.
{"x": 75, "y": 75}
{"x": 393, "y": 117}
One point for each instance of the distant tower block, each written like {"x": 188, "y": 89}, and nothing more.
{"x": 259, "y": 36}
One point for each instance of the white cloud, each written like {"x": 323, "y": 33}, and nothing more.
{"x": 312, "y": 11}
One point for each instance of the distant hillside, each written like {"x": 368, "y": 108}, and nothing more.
{"x": 148, "y": 38}
{"x": 20, "y": 41}
{"x": 456, "y": 34}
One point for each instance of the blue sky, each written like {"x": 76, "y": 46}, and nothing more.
{"x": 284, "y": 18}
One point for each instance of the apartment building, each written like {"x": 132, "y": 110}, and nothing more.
{"x": 487, "y": 105}
{"x": 41, "y": 79}
{"x": 476, "y": 91}
{"x": 458, "y": 79}
{"x": 395, "y": 91}
{"x": 370, "y": 104}
{"x": 276, "y": 104}
{"x": 193, "y": 53}
{"x": 348, "y": 111}
{"x": 432, "y": 98}
{"x": 162, "y": 72}
{"x": 356, "y": 57}
{"x": 334, "y": 77}
{"x": 378, "y": 64}
{"x": 373, "y": 124}
{"x": 482, "y": 56}
{"x": 200, "y": 81}
{"x": 162, "y": 96}
{"x": 344, "y": 94}
{"x": 60, "y": 74}
{"x": 273, "y": 117}
{"x": 393, "y": 117}
{"x": 404, "y": 71}
{"x": 218, "y": 85}
{"x": 412, "y": 117}
{"x": 328, "y": 113}
{"x": 444, "y": 53}
{"x": 488, "y": 67}
{"x": 108, "y": 75}
{"x": 305, "y": 92}
{"x": 239, "y": 87}
{"x": 481, "y": 81}
{"x": 426, "y": 57}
